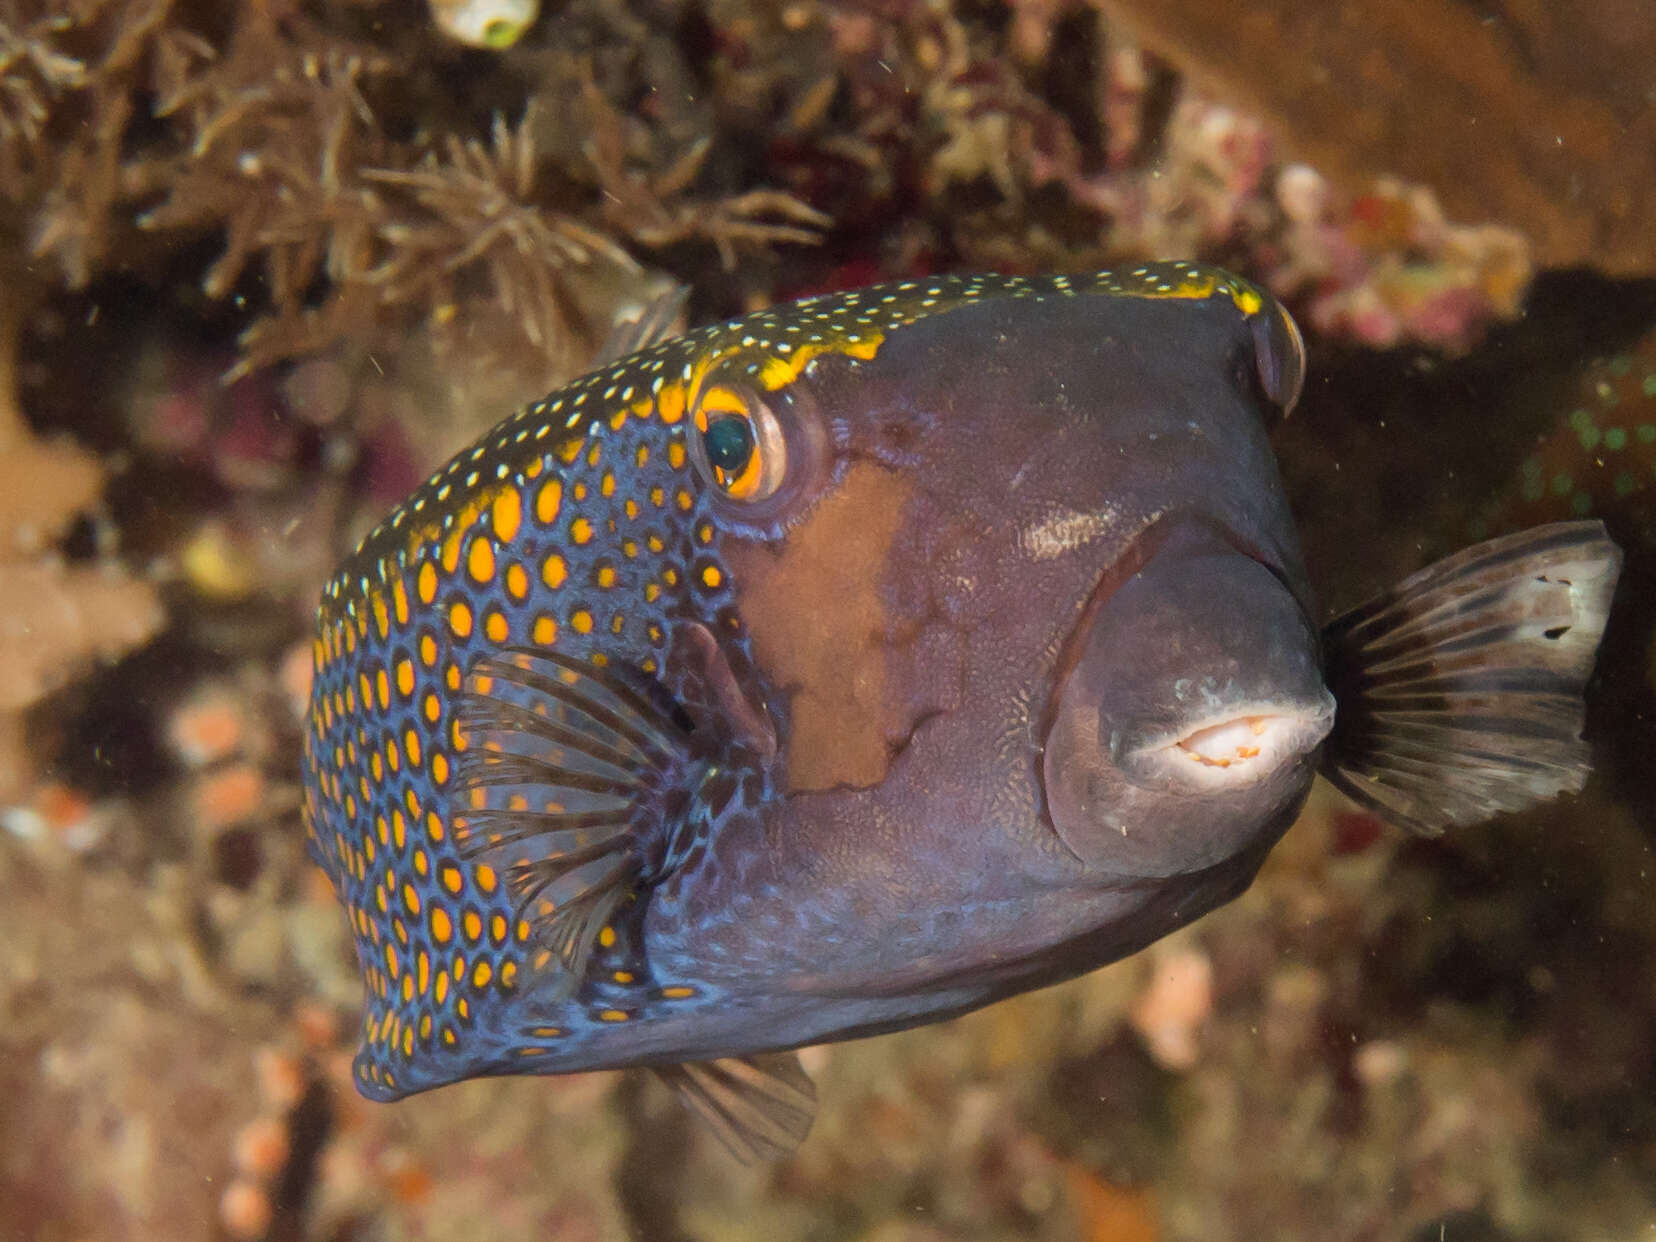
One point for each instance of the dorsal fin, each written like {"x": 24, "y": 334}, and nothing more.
{"x": 639, "y": 327}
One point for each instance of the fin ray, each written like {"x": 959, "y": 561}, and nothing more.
{"x": 1460, "y": 691}
{"x": 759, "y": 1107}
{"x": 560, "y": 787}
{"x": 639, "y": 327}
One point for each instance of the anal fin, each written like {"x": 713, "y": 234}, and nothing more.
{"x": 1460, "y": 690}
{"x": 759, "y": 1107}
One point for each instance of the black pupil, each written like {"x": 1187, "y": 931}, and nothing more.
{"x": 729, "y": 444}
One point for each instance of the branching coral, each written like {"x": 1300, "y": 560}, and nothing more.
{"x": 469, "y": 211}
{"x": 650, "y": 207}
{"x": 121, "y": 113}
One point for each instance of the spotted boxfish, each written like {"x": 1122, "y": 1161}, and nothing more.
{"x": 862, "y": 661}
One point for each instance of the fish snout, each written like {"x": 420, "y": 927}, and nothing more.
{"x": 1188, "y": 709}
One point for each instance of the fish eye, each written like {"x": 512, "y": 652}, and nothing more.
{"x": 741, "y": 448}
{"x": 729, "y": 445}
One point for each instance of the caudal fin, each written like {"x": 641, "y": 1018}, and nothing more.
{"x": 1460, "y": 690}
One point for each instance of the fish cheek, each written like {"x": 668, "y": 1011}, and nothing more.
{"x": 816, "y": 608}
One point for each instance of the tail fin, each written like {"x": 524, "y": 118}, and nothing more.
{"x": 1460, "y": 690}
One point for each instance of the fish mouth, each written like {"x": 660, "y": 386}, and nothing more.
{"x": 1235, "y": 747}
{"x": 1187, "y": 706}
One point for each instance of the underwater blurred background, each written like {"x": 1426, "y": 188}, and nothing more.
{"x": 262, "y": 266}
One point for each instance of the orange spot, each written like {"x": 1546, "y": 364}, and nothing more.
{"x": 580, "y": 530}
{"x": 581, "y": 621}
{"x": 671, "y": 403}
{"x": 480, "y": 561}
{"x": 507, "y": 514}
{"x": 548, "y": 501}
{"x": 495, "y": 627}
{"x": 517, "y": 581}
{"x": 554, "y": 571}
{"x": 546, "y": 631}
{"x": 460, "y": 619}
{"x": 481, "y": 975}
{"x": 426, "y": 583}
{"x": 484, "y": 876}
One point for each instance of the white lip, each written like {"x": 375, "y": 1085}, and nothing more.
{"x": 1239, "y": 747}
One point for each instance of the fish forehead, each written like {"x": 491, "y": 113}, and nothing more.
{"x": 575, "y": 523}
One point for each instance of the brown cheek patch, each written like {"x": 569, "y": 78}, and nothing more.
{"x": 813, "y": 609}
